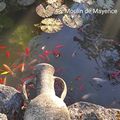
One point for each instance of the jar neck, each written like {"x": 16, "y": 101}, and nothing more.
{"x": 45, "y": 84}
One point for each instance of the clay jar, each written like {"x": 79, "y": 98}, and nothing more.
{"x": 46, "y": 106}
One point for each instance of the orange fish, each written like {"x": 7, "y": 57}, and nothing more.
{"x": 21, "y": 67}
{"x": 7, "y": 68}
{"x": 3, "y": 80}
{"x": 33, "y": 62}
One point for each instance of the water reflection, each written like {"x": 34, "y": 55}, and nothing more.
{"x": 96, "y": 46}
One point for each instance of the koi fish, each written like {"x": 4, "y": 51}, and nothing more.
{"x": 33, "y": 62}
{"x": 43, "y": 47}
{"x": 3, "y": 80}
{"x": 27, "y": 78}
{"x": 99, "y": 80}
{"x": 8, "y": 54}
{"x": 1, "y": 70}
{"x": 78, "y": 78}
{"x": 7, "y": 68}
{"x": 4, "y": 73}
{"x": 59, "y": 70}
{"x": 86, "y": 96}
{"x": 42, "y": 57}
{"x": 47, "y": 53}
{"x": 59, "y": 46}
{"x": 115, "y": 74}
{"x": 2, "y": 47}
{"x": 56, "y": 53}
{"x": 82, "y": 87}
{"x": 27, "y": 52}
{"x": 21, "y": 67}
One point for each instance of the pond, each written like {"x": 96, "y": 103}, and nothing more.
{"x": 86, "y": 57}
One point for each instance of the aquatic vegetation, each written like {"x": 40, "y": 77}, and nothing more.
{"x": 6, "y": 23}
{"x": 50, "y": 25}
{"x": 45, "y": 12}
{"x": 21, "y": 35}
{"x": 90, "y": 2}
{"x": 57, "y": 7}
{"x": 61, "y": 10}
{"x": 73, "y": 20}
{"x": 54, "y": 1}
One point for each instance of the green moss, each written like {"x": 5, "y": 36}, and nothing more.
{"x": 21, "y": 35}
{"x": 5, "y": 23}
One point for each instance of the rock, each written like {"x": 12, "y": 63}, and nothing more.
{"x": 3, "y": 117}
{"x": 2, "y": 6}
{"x": 10, "y": 101}
{"x": 89, "y": 111}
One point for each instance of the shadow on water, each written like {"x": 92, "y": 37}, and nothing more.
{"x": 85, "y": 61}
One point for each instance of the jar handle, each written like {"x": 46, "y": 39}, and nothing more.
{"x": 63, "y": 95}
{"x": 24, "y": 91}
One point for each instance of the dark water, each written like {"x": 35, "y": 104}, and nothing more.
{"x": 81, "y": 59}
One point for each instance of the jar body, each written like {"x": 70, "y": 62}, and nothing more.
{"x": 47, "y": 107}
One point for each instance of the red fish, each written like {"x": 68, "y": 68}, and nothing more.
{"x": 59, "y": 46}
{"x": 2, "y": 47}
{"x": 82, "y": 87}
{"x": 59, "y": 70}
{"x": 78, "y": 78}
{"x": 28, "y": 78}
{"x": 8, "y": 54}
{"x": 56, "y": 53}
{"x": 47, "y": 53}
{"x": 115, "y": 74}
{"x": 42, "y": 57}
{"x": 27, "y": 51}
{"x": 3, "y": 80}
